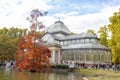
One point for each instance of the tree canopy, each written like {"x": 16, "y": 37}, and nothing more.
{"x": 8, "y": 42}
{"x": 103, "y": 35}
{"x": 91, "y": 31}
{"x": 114, "y": 42}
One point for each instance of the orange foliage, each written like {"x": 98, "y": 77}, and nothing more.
{"x": 31, "y": 55}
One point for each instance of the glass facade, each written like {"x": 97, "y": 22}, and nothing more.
{"x": 78, "y": 48}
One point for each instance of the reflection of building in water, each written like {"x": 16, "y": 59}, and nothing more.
{"x": 65, "y": 76}
{"x": 81, "y": 48}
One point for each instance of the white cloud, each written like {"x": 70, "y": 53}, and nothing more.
{"x": 65, "y": 15}
{"x": 93, "y": 21}
{"x": 14, "y": 13}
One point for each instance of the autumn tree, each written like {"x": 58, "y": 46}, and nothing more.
{"x": 31, "y": 54}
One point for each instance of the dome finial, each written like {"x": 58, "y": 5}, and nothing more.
{"x": 59, "y": 18}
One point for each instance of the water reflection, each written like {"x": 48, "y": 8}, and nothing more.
{"x": 30, "y": 76}
{"x": 12, "y": 75}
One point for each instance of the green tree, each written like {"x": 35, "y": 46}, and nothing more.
{"x": 91, "y": 31}
{"x": 103, "y": 31}
{"x": 114, "y": 42}
{"x": 72, "y": 33}
{"x": 8, "y": 42}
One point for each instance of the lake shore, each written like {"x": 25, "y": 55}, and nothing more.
{"x": 99, "y": 74}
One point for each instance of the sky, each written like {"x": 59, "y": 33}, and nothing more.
{"x": 78, "y": 15}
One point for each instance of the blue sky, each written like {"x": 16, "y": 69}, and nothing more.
{"x": 78, "y": 15}
{"x": 81, "y": 6}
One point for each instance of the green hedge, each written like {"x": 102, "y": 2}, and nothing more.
{"x": 60, "y": 66}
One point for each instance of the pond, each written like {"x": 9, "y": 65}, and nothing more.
{"x": 16, "y": 75}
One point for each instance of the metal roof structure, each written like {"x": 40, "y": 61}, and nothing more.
{"x": 58, "y": 26}
{"x": 85, "y": 46}
{"x": 77, "y": 36}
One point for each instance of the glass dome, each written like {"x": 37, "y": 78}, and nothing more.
{"x": 58, "y": 26}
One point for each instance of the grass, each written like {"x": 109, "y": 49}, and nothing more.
{"x": 99, "y": 74}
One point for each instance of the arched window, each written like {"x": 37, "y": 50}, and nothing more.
{"x": 87, "y": 40}
{"x": 89, "y": 57}
{"x": 93, "y": 40}
{"x": 82, "y": 40}
{"x": 95, "y": 58}
{"x": 82, "y": 56}
{"x": 56, "y": 55}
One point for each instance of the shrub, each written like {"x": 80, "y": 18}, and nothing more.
{"x": 60, "y": 66}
